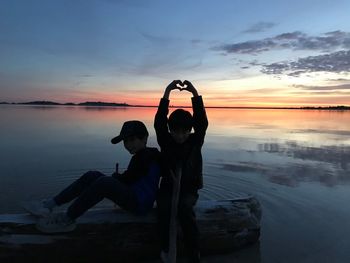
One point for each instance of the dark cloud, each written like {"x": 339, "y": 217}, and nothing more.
{"x": 290, "y": 36}
{"x": 249, "y": 47}
{"x": 255, "y": 63}
{"x": 293, "y": 40}
{"x": 337, "y": 62}
{"x": 276, "y": 68}
{"x": 259, "y": 27}
{"x": 321, "y": 88}
{"x": 338, "y": 80}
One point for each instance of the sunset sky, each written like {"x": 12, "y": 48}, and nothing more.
{"x": 237, "y": 53}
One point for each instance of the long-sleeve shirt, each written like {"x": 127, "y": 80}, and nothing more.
{"x": 142, "y": 175}
{"x": 188, "y": 153}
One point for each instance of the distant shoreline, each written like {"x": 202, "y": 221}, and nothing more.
{"x": 122, "y": 105}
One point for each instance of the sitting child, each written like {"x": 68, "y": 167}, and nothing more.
{"x": 134, "y": 190}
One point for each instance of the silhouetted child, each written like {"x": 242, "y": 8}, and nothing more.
{"x": 181, "y": 149}
{"x": 134, "y": 190}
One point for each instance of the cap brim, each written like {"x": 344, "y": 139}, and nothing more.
{"x": 117, "y": 139}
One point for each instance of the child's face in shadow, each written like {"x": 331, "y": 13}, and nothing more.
{"x": 180, "y": 135}
{"x": 133, "y": 144}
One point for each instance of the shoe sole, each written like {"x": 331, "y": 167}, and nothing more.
{"x": 67, "y": 229}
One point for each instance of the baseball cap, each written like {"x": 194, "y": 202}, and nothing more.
{"x": 131, "y": 128}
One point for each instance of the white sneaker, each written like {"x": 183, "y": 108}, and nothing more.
{"x": 56, "y": 223}
{"x": 37, "y": 208}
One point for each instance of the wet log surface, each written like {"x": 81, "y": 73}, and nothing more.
{"x": 113, "y": 235}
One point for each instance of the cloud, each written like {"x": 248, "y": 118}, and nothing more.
{"x": 259, "y": 27}
{"x": 322, "y": 88}
{"x": 248, "y": 47}
{"x": 337, "y": 62}
{"x": 338, "y": 80}
{"x": 293, "y": 40}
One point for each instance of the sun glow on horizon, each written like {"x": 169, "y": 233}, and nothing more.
{"x": 89, "y": 54}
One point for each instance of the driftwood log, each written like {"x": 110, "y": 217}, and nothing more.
{"x": 112, "y": 235}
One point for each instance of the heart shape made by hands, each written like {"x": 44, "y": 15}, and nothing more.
{"x": 181, "y": 86}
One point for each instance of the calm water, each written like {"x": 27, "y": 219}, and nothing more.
{"x": 295, "y": 162}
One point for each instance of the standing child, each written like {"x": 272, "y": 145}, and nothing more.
{"x": 134, "y": 190}
{"x": 181, "y": 149}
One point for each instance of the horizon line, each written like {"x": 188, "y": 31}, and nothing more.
{"x": 114, "y": 104}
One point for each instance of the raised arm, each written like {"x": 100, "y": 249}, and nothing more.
{"x": 161, "y": 120}
{"x": 200, "y": 120}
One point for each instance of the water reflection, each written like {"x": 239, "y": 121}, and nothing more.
{"x": 339, "y": 155}
{"x": 285, "y": 158}
{"x": 291, "y": 174}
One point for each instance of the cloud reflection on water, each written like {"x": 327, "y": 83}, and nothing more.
{"x": 292, "y": 174}
{"x": 338, "y": 155}
{"x": 328, "y": 165}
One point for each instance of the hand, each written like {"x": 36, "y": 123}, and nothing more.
{"x": 190, "y": 88}
{"x": 115, "y": 175}
{"x": 175, "y": 84}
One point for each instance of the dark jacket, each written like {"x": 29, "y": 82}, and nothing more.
{"x": 142, "y": 175}
{"x": 188, "y": 154}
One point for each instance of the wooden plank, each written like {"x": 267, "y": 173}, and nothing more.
{"x": 107, "y": 234}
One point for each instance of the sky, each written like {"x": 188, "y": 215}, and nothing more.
{"x": 236, "y": 53}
